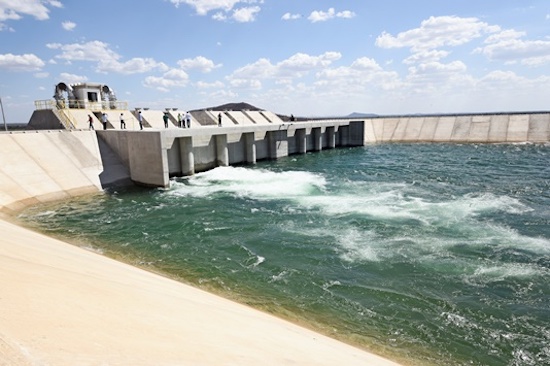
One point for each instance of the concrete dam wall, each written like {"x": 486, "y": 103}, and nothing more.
{"x": 39, "y": 166}
{"x": 460, "y": 128}
{"x": 153, "y": 156}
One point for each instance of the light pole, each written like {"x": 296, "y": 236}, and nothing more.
{"x": 3, "y": 116}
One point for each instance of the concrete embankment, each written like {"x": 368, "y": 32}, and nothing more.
{"x": 52, "y": 165}
{"x": 475, "y": 128}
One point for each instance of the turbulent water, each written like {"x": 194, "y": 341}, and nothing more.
{"x": 431, "y": 253}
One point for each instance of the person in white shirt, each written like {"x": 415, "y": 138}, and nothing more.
{"x": 122, "y": 123}
{"x": 104, "y": 120}
{"x": 188, "y": 119}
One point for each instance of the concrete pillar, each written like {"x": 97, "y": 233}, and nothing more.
{"x": 278, "y": 143}
{"x": 187, "y": 157}
{"x": 250, "y": 146}
{"x": 301, "y": 140}
{"x": 338, "y": 135}
{"x": 222, "y": 152}
{"x": 331, "y": 137}
{"x": 317, "y": 139}
{"x": 148, "y": 159}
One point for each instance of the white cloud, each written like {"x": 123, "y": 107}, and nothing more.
{"x": 68, "y": 26}
{"x": 90, "y": 51}
{"x": 134, "y": 66}
{"x": 41, "y": 75}
{"x": 263, "y": 68}
{"x": 174, "y": 78}
{"x": 509, "y": 88}
{"x": 203, "y": 7}
{"x": 322, "y": 16}
{"x": 435, "y": 75}
{"x": 346, "y": 14}
{"x": 213, "y": 85}
{"x": 252, "y": 84}
{"x": 16, "y": 9}
{"x": 219, "y": 16}
{"x": 508, "y": 47}
{"x": 72, "y": 78}
{"x": 362, "y": 72}
{"x": 301, "y": 63}
{"x": 107, "y": 60}
{"x": 26, "y": 62}
{"x": 365, "y": 63}
{"x": 437, "y": 32}
{"x": 245, "y": 15}
{"x": 200, "y": 63}
{"x": 288, "y": 16}
{"x": 241, "y": 15}
{"x": 296, "y": 66}
{"x": 426, "y": 56}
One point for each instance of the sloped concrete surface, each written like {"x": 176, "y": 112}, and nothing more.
{"x": 474, "y": 128}
{"x": 48, "y": 165}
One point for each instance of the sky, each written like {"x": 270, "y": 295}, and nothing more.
{"x": 303, "y": 57}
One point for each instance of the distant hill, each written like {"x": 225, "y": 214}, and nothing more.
{"x": 242, "y": 106}
{"x": 15, "y": 126}
{"x": 361, "y": 115}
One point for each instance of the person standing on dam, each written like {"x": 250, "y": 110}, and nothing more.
{"x": 122, "y": 123}
{"x": 140, "y": 119}
{"x": 180, "y": 121}
{"x": 104, "y": 120}
{"x": 219, "y": 119}
{"x": 91, "y": 122}
{"x": 188, "y": 119}
{"x": 165, "y": 119}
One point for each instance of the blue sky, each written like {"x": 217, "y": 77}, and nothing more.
{"x": 305, "y": 57}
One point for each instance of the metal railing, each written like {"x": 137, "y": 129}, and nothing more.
{"x": 78, "y": 104}
{"x": 62, "y": 108}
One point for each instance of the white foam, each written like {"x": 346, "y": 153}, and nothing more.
{"x": 252, "y": 183}
{"x": 501, "y": 272}
{"x": 457, "y": 320}
{"x": 259, "y": 260}
{"x": 357, "y": 246}
{"x": 281, "y": 277}
{"x": 396, "y": 204}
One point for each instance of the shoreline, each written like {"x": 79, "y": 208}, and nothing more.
{"x": 62, "y": 304}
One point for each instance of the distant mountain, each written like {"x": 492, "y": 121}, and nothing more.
{"x": 361, "y": 115}
{"x": 242, "y": 106}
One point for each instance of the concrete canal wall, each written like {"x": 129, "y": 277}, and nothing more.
{"x": 460, "y": 128}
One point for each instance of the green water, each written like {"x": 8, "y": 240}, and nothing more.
{"x": 436, "y": 253}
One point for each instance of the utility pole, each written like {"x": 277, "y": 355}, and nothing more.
{"x": 3, "y": 116}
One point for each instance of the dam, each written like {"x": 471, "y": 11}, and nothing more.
{"x": 59, "y": 156}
